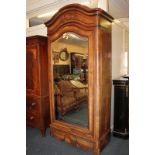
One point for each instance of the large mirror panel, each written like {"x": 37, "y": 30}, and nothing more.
{"x": 70, "y": 78}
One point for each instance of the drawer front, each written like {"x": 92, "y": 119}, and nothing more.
{"x": 33, "y": 120}
{"x": 33, "y": 105}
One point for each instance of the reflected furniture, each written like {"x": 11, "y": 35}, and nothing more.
{"x": 80, "y": 61}
{"x": 60, "y": 72}
{"x": 68, "y": 97}
{"x": 81, "y": 91}
{"x": 90, "y": 27}
{"x": 121, "y": 107}
{"x": 37, "y": 93}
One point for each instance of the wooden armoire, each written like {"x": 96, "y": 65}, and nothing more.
{"x": 37, "y": 92}
{"x": 90, "y": 29}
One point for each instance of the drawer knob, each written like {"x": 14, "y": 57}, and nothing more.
{"x": 33, "y": 104}
{"x": 31, "y": 118}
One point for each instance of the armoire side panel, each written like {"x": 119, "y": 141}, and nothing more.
{"x": 44, "y": 68}
{"x": 103, "y": 94}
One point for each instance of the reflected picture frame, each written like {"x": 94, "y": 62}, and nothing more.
{"x": 56, "y": 57}
{"x": 64, "y": 55}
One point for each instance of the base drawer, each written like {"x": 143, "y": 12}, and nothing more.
{"x": 33, "y": 120}
{"x": 33, "y": 104}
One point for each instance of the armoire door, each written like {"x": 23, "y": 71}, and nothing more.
{"x": 32, "y": 69}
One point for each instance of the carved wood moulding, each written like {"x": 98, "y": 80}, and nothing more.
{"x": 72, "y": 14}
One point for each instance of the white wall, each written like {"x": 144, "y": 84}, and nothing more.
{"x": 118, "y": 49}
{"x": 27, "y": 22}
{"x": 36, "y": 30}
{"x": 120, "y": 45}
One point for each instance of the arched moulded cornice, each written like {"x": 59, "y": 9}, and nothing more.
{"x": 72, "y": 14}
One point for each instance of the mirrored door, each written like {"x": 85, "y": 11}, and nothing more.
{"x": 70, "y": 78}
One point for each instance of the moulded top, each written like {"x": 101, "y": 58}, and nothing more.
{"x": 81, "y": 8}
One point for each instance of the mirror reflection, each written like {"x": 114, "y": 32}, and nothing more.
{"x": 70, "y": 75}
